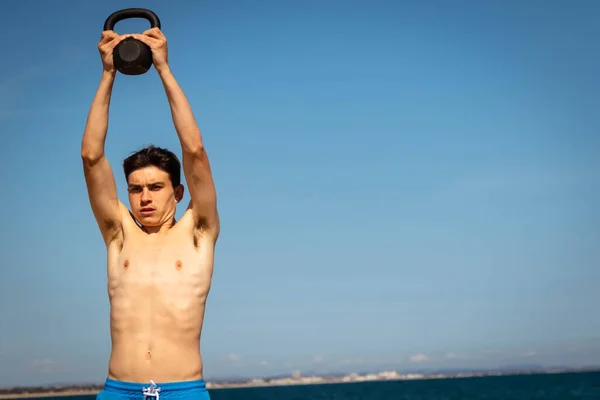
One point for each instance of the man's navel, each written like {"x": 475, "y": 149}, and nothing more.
{"x": 148, "y": 356}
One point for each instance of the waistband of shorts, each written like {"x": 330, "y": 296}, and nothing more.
{"x": 134, "y": 387}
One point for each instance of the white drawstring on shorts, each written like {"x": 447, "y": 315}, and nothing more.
{"x": 151, "y": 391}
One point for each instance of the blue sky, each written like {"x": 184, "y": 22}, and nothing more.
{"x": 401, "y": 185}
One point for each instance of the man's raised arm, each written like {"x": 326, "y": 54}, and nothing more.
{"x": 196, "y": 166}
{"x": 98, "y": 173}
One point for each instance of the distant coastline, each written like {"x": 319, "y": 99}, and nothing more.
{"x": 31, "y": 393}
{"x": 296, "y": 379}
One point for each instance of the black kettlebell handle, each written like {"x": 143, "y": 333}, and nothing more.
{"x": 127, "y": 13}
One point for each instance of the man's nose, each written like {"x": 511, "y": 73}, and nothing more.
{"x": 145, "y": 197}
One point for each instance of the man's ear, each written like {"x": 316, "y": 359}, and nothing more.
{"x": 179, "y": 190}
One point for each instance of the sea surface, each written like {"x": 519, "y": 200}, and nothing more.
{"x": 519, "y": 387}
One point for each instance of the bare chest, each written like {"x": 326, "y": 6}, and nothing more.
{"x": 152, "y": 268}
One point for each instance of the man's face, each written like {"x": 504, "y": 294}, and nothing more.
{"x": 152, "y": 197}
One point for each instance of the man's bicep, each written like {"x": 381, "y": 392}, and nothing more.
{"x": 202, "y": 189}
{"x": 102, "y": 193}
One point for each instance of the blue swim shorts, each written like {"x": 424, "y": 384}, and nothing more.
{"x": 118, "y": 390}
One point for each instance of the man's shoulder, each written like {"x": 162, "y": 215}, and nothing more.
{"x": 126, "y": 215}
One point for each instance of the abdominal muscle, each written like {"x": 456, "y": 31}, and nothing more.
{"x": 157, "y": 301}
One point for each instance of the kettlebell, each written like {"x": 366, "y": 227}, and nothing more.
{"x": 130, "y": 56}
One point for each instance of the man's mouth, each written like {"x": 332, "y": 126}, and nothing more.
{"x": 146, "y": 210}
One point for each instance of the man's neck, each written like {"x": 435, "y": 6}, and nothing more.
{"x": 156, "y": 230}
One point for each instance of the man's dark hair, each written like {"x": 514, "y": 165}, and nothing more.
{"x": 157, "y": 157}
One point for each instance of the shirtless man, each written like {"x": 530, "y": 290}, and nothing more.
{"x": 159, "y": 270}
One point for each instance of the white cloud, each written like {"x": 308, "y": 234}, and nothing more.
{"x": 264, "y": 363}
{"x": 233, "y": 357}
{"x": 419, "y": 358}
{"x": 352, "y": 361}
{"x": 47, "y": 366}
{"x": 318, "y": 358}
{"x": 41, "y": 363}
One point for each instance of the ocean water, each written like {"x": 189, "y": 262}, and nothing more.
{"x": 521, "y": 387}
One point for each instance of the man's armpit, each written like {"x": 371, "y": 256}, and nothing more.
{"x": 112, "y": 230}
